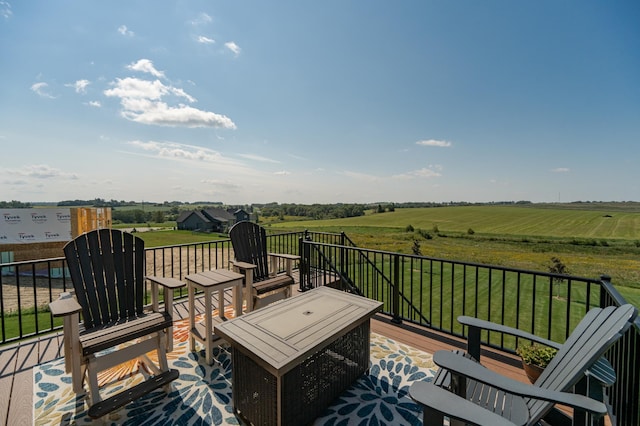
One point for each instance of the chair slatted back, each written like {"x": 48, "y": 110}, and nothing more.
{"x": 107, "y": 270}
{"x": 249, "y": 242}
{"x": 590, "y": 340}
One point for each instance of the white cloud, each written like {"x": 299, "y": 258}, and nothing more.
{"x": 141, "y": 102}
{"x": 41, "y": 171}
{"x": 178, "y": 151}
{"x": 361, "y": 176}
{"x": 561, "y": 170}
{"x": 5, "y": 9}
{"x": 79, "y": 86}
{"x": 41, "y": 90}
{"x": 434, "y": 142}
{"x": 202, "y": 19}
{"x": 135, "y": 88}
{"x": 282, "y": 173}
{"x": 205, "y": 40}
{"x": 232, "y": 46}
{"x": 425, "y": 172}
{"x": 145, "y": 65}
{"x": 221, "y": 185}
{"x": 15, "y": 182}
{"x": 122, "y": 29}
{"x": 95, "y": 104}
{"x": 159, "y": 113}
{"x": 258, "y": 158}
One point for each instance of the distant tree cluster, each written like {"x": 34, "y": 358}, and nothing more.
{"x": 388, "y": 208}
{"x": 14, "y": 205}
{"x": 96, "y": 202}
{"x": 314, "y": 211}
{"x": 416, "y": 204}
{"x": 131, "y": 216}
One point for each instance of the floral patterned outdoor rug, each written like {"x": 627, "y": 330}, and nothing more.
{"x": 202, "y": 394}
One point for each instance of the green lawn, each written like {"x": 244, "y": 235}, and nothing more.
{"x": 590, "y": 242}
{"x": 174, "y": 237}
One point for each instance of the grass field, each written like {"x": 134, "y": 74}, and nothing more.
{"x": 589, "y": 241}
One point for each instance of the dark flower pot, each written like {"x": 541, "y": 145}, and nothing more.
{"x": 532, "y": 371}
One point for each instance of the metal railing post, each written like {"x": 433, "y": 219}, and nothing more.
{"x": 304, "y": 262}
{"x": 397, "y": 317}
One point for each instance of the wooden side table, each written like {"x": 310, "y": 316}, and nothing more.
{"x": 209, "y": 281}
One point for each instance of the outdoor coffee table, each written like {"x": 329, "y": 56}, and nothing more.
{"x": 292, "y": 358}
{"x": 208, "y": 282}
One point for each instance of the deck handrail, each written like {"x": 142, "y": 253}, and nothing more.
{"x": 423, "y": 290}
{"x": 27, "y": 287}
{"x": 547, "y": 304}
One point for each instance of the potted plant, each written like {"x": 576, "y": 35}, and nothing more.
{"x": 535, "y": 358}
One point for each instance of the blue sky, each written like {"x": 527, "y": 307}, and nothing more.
{"x": 320, "y": 102}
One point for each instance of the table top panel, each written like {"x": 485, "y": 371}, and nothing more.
{"x": 214, "y": 277}
{"x": 279, "y": 335}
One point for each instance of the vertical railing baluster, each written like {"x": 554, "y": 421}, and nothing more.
{"x": 395, "y": 261}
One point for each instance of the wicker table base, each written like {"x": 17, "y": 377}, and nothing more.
{"x": 307, "y": 390}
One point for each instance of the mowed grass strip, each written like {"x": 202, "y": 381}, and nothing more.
{"x": 590, "y": 243}
{"x": 498, "y": 220}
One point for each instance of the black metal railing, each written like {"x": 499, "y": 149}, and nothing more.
{"x": 623, "y": 396}
{"x": 433, "y": 292}
{"x": 427, "y": 291}
{"x": 27, "y": 287}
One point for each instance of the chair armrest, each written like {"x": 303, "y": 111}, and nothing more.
{"x": 285, "y": 256}
{"x": 491, "y": 326}
{"x": 66, "y": 304}
{"x": 458, "y": 364}
{"x": 602, "y": 371}
{"x": 243, "y": 265}
{"x": 167, "y": 282}
{"x": 452, "y": 405}
{"x": 288, "y": 258}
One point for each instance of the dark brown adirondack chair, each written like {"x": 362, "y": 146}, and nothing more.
{"x": 468, "y": 393}
{"x": 107, "y": 269}
{"x": 262, "y": 285}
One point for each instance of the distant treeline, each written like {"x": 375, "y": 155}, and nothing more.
{"x": 315, "y": 211}
{"x": 335, "y": 211}
{"x": 14, "y": 205}
{"x": 99, "y": 202}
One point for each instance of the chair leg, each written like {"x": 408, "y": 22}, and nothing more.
{"x": 92, "y": 372}
{"x": 73, "y": 359}
{"x": 162, "y": 353}
{"x": 77, "y": 374}
{"x": 431, "y": 417}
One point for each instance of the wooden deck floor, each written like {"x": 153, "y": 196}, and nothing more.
{"x": 17, "y": 361}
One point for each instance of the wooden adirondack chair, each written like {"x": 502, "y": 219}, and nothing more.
{"x": 262, "y": 286}
{"x": 107, "y": 269}
{"x": 468, "y": 393}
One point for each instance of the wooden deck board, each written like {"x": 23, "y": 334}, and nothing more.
{"x": 21, "y": 401}
{"x": 8, "y": 359}
{"x": 17, "y": 361}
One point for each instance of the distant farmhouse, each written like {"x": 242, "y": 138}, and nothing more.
{"x": 210, "y": 220}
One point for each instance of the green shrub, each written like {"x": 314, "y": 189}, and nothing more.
{"x": 424, "y": 234}
{"x": 416, "y": 248}
{"x": 535, "y": 354}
